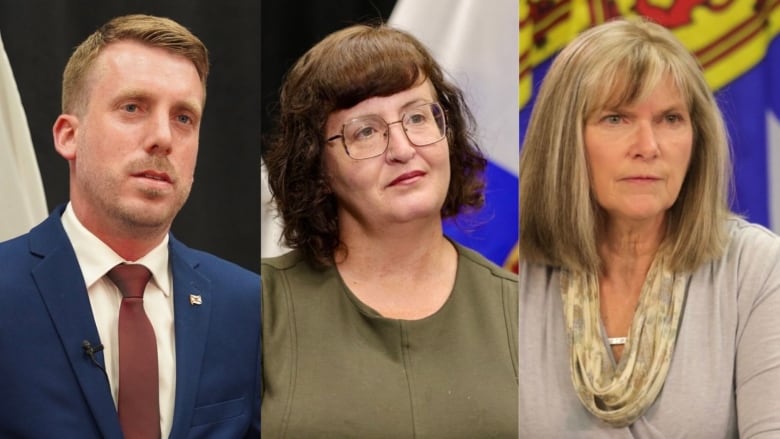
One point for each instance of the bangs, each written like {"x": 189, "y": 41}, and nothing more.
{"x": 612, "y": 85}
{"x": 366, "y": 65}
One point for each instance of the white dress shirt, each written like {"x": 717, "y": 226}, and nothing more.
{"x": 95, "y": 259}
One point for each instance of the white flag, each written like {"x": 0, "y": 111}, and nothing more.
{"x": 22, "y": 201}
{"x": 270, "y": 225}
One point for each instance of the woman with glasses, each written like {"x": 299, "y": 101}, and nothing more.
{"x": 377, "y": 325}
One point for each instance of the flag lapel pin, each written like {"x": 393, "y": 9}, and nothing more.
{"x": 195, "y": 299}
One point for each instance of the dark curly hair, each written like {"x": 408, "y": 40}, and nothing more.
{"x": 344, "y": 69}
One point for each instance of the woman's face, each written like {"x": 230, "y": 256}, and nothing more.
{"x": 405, "y": 183}
{"x": 638, "y": 154}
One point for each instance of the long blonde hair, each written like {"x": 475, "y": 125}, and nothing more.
{"x": 617, "y": 63}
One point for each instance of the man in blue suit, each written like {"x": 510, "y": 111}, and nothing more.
{"x": 133, "y": 97}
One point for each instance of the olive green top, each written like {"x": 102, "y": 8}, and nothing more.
{"x": 335, "y": 368}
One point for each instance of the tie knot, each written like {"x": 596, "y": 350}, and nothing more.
{"x": 130, "y": 278}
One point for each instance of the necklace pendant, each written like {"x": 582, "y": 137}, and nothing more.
{"x": 617, "y": 340}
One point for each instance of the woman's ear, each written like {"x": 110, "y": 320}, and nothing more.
{"x": 64, "y": 132}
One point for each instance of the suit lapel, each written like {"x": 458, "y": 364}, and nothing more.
{"x": 64, "y": 294}
{"x": 192, "y": 303}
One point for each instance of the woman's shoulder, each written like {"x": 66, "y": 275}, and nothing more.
{"x": 480, "y": 263}
{"x": 751, "y": 239}
{"x": 282, "y": 262}
{"x": 751, "y": 258}
{"x": 740, "y": 226}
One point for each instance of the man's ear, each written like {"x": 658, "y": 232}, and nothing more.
{"x": 64, "y": 132}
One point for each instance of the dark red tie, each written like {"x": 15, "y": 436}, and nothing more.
{"x": 138, "y": 400}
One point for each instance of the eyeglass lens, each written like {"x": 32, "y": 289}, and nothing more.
{"x": 368, "y": 136}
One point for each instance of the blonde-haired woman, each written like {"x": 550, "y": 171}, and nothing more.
{"x": 647, "y": 308}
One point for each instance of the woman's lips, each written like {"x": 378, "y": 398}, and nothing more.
{"x": 641, "y": 179}
{"x": 407, "y": 178}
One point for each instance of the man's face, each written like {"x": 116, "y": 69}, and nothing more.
{"x": 134, "y": 145}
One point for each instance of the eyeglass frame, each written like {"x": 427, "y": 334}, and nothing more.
{"x": 389, "y": 124}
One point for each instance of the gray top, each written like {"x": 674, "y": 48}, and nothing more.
{"x": 724, "y": 378}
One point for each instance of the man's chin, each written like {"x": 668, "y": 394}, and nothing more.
{"x": 149, "y": 216}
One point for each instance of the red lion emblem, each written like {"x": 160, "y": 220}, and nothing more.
{"x": 679, "y": 14}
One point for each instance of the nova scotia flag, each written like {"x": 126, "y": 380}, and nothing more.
{"x": 738, "y": 47}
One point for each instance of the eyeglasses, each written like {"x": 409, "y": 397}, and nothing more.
{"x": 368, "y": 136}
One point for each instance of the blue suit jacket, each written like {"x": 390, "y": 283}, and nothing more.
{"x": 50, "y": 388}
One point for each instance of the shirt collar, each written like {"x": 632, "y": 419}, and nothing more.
{"x": 95, "y": 258}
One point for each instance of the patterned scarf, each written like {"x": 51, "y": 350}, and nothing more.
{"x": 620, "y": 394}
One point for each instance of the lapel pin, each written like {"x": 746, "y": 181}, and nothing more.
{"x": 195, "y": 299}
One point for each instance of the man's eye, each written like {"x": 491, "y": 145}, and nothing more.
{"x": 131, "y": 108}
{"x": 183, "y": 118}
